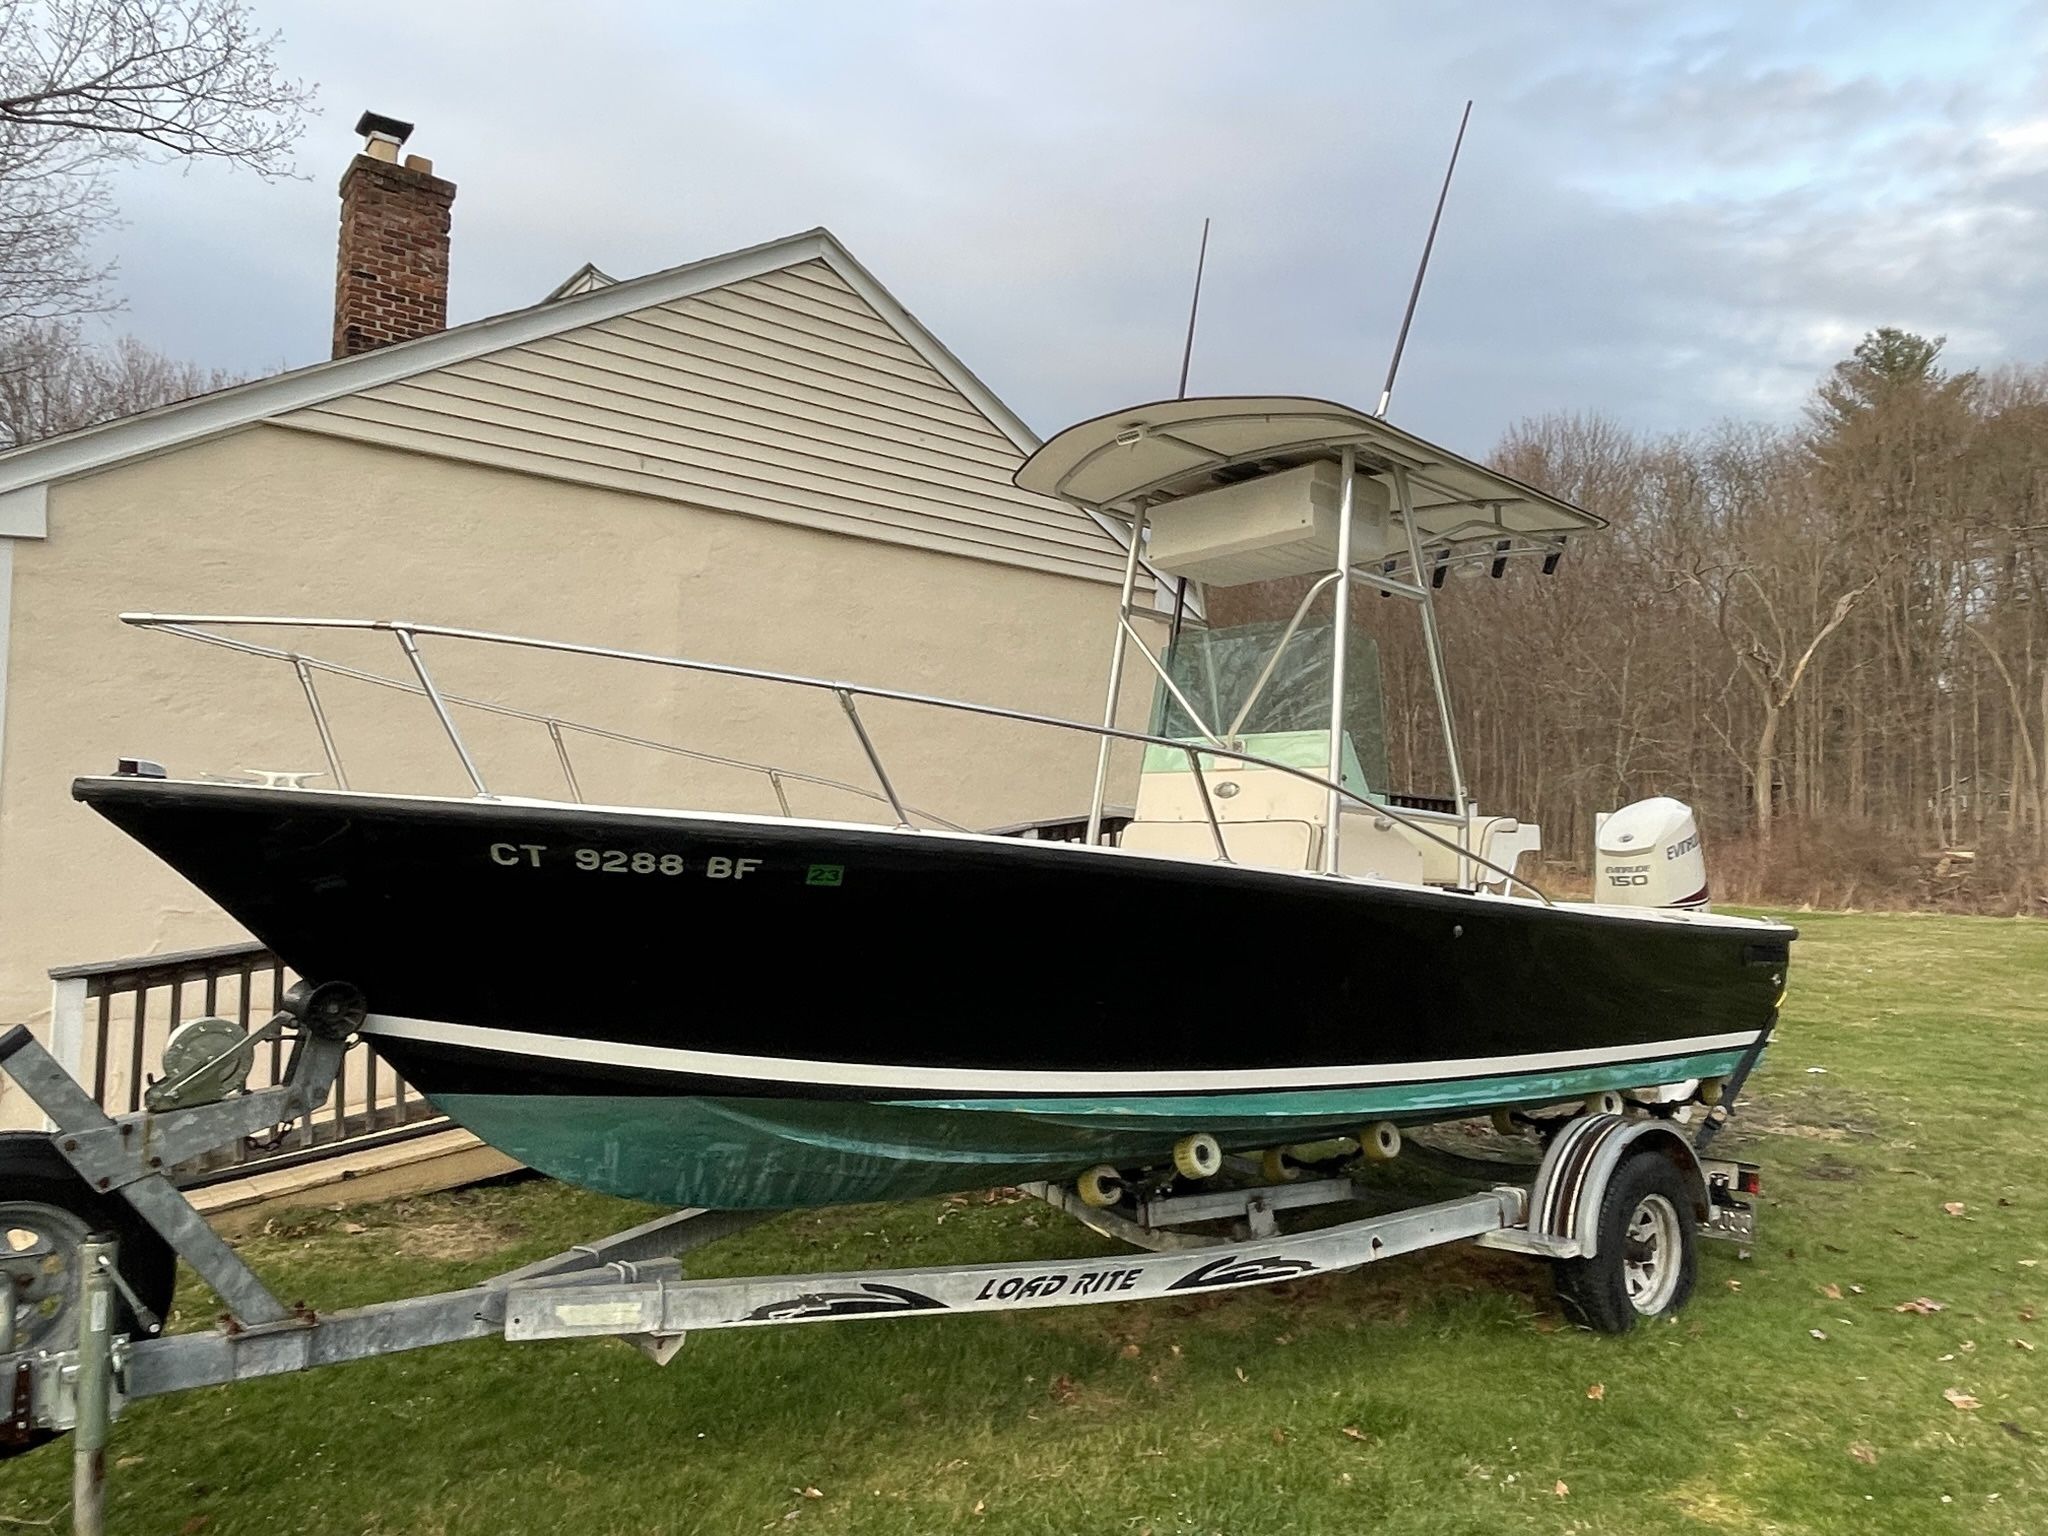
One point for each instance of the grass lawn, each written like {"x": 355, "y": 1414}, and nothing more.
{"x": 1905, "y": 1153}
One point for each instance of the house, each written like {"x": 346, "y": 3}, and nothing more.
{"x": 761, "y": 458}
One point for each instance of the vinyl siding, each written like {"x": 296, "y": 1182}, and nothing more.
{"x": 782, "y": 396}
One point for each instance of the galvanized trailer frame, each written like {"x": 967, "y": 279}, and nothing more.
{"x": 630, "y": 1285}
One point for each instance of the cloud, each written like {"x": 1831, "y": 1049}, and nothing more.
{"x": 1666, "y": 216}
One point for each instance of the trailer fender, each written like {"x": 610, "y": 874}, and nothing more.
{"x": 1564, "y": 1202}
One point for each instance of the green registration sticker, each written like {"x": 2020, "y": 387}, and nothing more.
{"x": 826, "y": 874}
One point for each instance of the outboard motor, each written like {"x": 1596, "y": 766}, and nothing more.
{"x": 1648, "y": 855}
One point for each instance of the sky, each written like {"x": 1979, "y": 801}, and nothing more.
{"x": 1665, "y": 214}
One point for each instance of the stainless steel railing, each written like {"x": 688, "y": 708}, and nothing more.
{"x": 778, "y": 779}
{"x": 204, "y": 627}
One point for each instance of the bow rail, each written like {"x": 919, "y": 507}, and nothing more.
{"x": 204, "y": 627}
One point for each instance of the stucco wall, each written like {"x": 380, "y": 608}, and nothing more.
{"x": 273, "y": 520}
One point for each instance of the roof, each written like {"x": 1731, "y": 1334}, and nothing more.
{"x": 172, "y": 426}
{"x": 1177, "y": 447}
{"x": 582, "y": 280}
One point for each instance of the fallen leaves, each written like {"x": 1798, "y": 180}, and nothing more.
{"x": 1953, "y": 1207}
{"x": 1816, "y": 1333}
{"x": 2022, "y": 1344}
{"x": 1960, "y": 1400}
{"x": 1832, "y": 1292}
{"x": 1353, "y": 1432}
{"x": 1597, "y": 1392}
{"x": 1560, "y": 1488}
{"x": 1925, "y": 1306}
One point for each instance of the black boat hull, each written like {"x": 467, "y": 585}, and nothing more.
{"x": 731, "y": 1011}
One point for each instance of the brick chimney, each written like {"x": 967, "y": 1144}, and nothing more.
{"x": 391, "y": 280}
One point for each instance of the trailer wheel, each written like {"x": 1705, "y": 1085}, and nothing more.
{"x": 1647, "y": 1258}
{"x": 46, "y": 1211}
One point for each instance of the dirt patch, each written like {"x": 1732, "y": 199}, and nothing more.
{"x": 1809, "y": 1121}
{"x": 1831, "y": 1170}
{"x": 443, "y": 1241}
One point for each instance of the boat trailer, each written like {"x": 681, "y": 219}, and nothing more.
{"x": 1616, "y": 1203}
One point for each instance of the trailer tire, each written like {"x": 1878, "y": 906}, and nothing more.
{"x": 42, "y": 1197}
{"x": 1646, "y": 1260}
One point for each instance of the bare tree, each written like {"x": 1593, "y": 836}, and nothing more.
{"x": 1763, "y": 642}
{"x": 89, "y": 85}
{"x": 51, "y": 381}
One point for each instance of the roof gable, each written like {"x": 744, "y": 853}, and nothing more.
{"x": 203, "y": 416}
{"x": 584, "y": 279}
{"x": 786, "y": 395}
{"x": 587, "y": 298}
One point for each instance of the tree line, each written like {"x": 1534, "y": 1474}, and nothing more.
{"x": 1830, "y": 637}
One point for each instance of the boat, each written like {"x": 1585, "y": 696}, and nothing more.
{"x": 1276, "y": 949}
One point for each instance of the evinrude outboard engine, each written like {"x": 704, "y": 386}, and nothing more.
{"x": 1648, "y": 855}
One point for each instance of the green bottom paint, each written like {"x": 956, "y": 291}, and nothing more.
{"x": 769, "y": 1154}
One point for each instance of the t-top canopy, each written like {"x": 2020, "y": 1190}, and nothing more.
{"x": 1179, "y": 447}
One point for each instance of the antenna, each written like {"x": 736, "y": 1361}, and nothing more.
{"x": 1408, "y": 317}
{"x": 1187, "y": 352}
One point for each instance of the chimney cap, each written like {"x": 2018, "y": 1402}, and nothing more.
{"x": 377, "y": 125}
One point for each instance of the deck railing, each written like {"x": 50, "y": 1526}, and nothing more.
{"x": 110, "y": 1019}
{"x": 208, "y": 628}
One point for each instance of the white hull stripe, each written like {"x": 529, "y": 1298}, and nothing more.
{"x": 852, "y": 1074}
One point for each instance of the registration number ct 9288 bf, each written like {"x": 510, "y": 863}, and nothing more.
{"x": 623, "y": 861}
